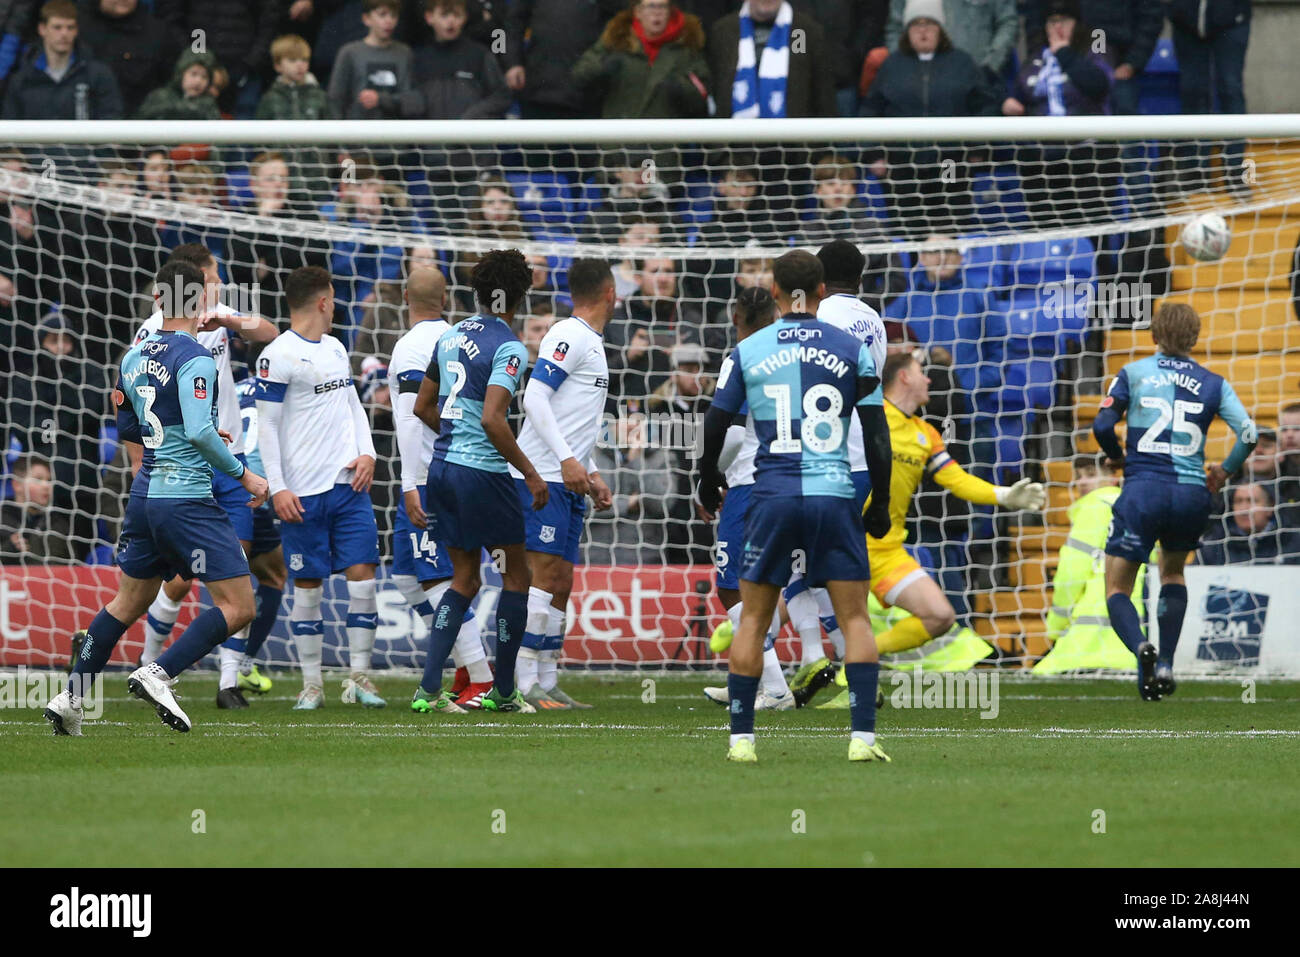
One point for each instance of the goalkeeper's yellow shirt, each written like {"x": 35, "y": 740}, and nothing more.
{"x": 919, "y": 451}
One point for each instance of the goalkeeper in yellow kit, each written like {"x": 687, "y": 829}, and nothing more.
{"x": 896, "y": 578}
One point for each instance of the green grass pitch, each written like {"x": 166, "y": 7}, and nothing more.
{"x": 1202, "y": 778}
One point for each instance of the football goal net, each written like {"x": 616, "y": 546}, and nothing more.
{"x": 1020, "y": 259}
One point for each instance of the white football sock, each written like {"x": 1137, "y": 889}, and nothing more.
{"x": 165, "y": 612}
{"x": 803, "y": 615}
{"x": 773, "y": 677}
{"x": 470, "y": 653}
{"x": 363, "y": 620}
{"x": 308, "y": 632}
{"x": 737, "y": 737}
{"x": 411, "y": 590}
{"x": 867, "y": 736}
{"x": 826, "y": 610}
{"x": 734, "y": 614}
{"x": 548, "y": 668}
{"x": 229, "y": 658}
{"x": 526, "y": 668}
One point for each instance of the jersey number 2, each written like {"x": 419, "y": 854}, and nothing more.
{"x": 458, "y": 370}
{"x": 155, "y": 437}
{"x": 785, "y": 442}
{"x": 1178, "y": 416}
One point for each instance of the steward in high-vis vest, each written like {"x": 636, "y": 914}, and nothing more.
{"x": 1078, "y": 622}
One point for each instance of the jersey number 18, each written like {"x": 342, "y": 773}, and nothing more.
{"x": 785, "y": 442}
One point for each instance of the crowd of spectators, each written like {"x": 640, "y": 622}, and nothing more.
{"x": 72, "y": 276}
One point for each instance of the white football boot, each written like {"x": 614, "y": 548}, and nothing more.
{"x": 310, "y": 698}
{"x": 151, "y": 684}
{"x": 762, "y": 701}
{"x": 64, "y": 714}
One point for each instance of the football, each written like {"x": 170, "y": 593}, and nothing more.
{"x": 1206, "y": 237}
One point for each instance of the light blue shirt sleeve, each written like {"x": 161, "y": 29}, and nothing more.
{"x": 509, "y": 365}
{"x": 1234, "y": 413}
{"x": 867, "y": 367}
{"x": 195, "y": 383}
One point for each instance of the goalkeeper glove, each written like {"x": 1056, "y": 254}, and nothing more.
{"x": 876, "y": 519}
{"x": 1023, "y": 494}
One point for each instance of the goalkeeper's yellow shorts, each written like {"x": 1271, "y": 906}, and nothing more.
{"x": 892, "y": 570}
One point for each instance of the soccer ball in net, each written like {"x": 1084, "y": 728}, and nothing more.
{"x": 1206, "y": 238}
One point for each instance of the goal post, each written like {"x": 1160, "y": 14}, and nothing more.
{"x": 1022, "y": 257}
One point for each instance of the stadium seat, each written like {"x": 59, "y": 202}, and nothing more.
{"x": 239, "y": 191}
{"x": 1158, "y": 83}
{"x": 997, "y": 197}
{"x": 548, "y": 199}
{"x": 1039, "y": 262}
{"x": 981, "y": 265}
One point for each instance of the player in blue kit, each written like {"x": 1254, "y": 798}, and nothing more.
{"x": 802, "y": 380}
{"x": 1170, "y": 401}
{"x": 167, "y": 396}
{"x": 470, "y": 498}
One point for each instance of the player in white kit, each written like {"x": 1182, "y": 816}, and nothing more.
{"x": 315, "y": 441}
{"x": 421, "y": 565}
{"x": 261, "y": 545}
{"x": 563, "y": 406}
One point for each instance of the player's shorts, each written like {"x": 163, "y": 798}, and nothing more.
{"x": 1147, "y": 512}
{"x": 416, "y": 552}
{"x": 254, "y": 525}
{"x": 731, "y": 537}
{"x": 470, "y": 508}
{"x": 892, "y": 570}
{"x": 337, "y": 531}
{"x": 190, "y": 537}
{"x": 861, "y": 488}
{"x": 819, "y": 535}
{"x": 557, "y": 528}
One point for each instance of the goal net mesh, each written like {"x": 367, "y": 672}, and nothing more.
{"x": 1023, "y": 273}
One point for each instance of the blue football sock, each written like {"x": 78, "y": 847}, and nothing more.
{"x": 268, "y": 610}
{"x": 447, "y": 618}
{"x": 1124, "y": 619}
{"x": 742, "y": 690}
{"x": 102, "y": 637}
{"x": 204, "y": 633}
{"x": 512, "y": 617}
{"x": 862, "y": 677}
{"x": 1169, "y": 614}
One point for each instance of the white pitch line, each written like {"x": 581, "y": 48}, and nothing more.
{"x": 509, "y": 730}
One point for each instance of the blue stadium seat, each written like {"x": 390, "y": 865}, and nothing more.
{"x": 1158, "y": 85}
{"x": 239, "y": 190}
{"x": 107, "y": 443}
{"x": 1043, "y": 322}
{"x": 1038, "y": 262}
{"x": 998, "y": 198}
{"x": 548, "y": 199}
{"x": 981, "y": 265}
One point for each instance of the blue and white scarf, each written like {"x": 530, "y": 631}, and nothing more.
{"x": 759, "y": 87}
{"x": 1049, "y": 82}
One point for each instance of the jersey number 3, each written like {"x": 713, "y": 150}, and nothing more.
{"x": 785, "y": 442}
{"x": 1177, "y": 414}
{"x": 155, "y": 437}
